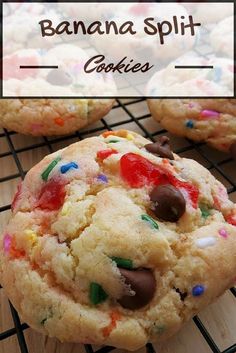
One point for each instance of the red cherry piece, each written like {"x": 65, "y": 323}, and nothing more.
{"x": 190, "y": 189}
{"x": 105, "y": 153}
{"x": 17, "y": 196}
{"x": 137, "y": 171}
{"x": 52, "y": 195}
{"x": 231, "y": 219}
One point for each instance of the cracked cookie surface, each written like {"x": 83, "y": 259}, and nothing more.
{"x": 88, "y": 255}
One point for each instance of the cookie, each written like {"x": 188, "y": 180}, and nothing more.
{"x": 143, "y": 46}
{"x": 88, "y": 13}
{"x": 19, "y": 8}
{"x": 223, "y": 44}
{"x": 117, "y": 241}
{"x": 53, "y": 116}
{"x": 209, "y": 120}
{"x": 68, "y": 80}
{"x": 21, "y": 27}
{"x": 47, "y": 117}
{"x": 208, "y": 13}
{"x": 171, "y": 82}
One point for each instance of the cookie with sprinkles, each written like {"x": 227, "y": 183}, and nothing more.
{"x": 49, "y": 117}
{"x": 209, "y": 120}
{"x": 117, "y": 243}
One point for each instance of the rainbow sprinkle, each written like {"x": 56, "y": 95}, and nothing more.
{"x": 59, "y": 121}
{"x": 203, "y": 243}
{"x": 7, "y": 243}
{"x": 223, "y": 233}
{"x": 150, "y": 220}
{"x": 113, "y": 141}
{"x": 205, "y": 212}
{"x": 102, "y": 178}
{"x": 130, "y": 137}
{"x": 189, "y": 124}
{"x": 48, "y": 170}
{"x": 209, "y": 114}
{"x": 66, "y": 167}
{"x": 123, "y": 263}
{"x": 97, "y": 294}
{"x": 198, "y": 290}
{"x": 114, "y": 317}
{"x": 31, "y": 236}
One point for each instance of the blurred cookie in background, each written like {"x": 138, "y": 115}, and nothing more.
{"x": 223, "y": 44}
{"x": 209, "y": 120}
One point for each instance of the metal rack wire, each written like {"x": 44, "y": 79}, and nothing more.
{"x": 125, "y": 106}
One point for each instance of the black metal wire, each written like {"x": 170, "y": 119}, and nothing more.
{"x": 231, "y": 349}
{"x": 88, "y": 348}
{"x": 19, "y": 331}
{"x": 150, "y": 348}
{"x": 105, "y": 349}
{"x": 11, "y": 332}
{"x": 19, "y": 328}
{"x": 206, "y": 334}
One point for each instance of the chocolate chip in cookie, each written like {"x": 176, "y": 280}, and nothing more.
{"x": 59, "y": 77}
{"x": 143, "y": 283}
{"x": 169, "y": 203}
{"x": 233, "y": 150}
{"x": 161, "y": 148}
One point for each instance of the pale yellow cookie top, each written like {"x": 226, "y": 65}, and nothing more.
{"x": 85, "y": 213}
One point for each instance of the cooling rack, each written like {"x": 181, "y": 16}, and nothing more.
{"x": 126, "y": 113}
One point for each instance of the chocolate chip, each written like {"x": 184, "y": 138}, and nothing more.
{"x": 233, "y": 150}
{"x": 161, "y": 147}
{"x": 59, "y": 78}
{"x": 143, "y": 283}
{"x": 169, "y": 203}
{"x": 182, "y": 295}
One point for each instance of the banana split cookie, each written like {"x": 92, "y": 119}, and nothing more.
{"x": 115, "y": 240}
{"x": 39, "y": 117}
{"x": 210, "y": 120}
{"x": 53, "y": 116}
{"x": 217, "y": 81}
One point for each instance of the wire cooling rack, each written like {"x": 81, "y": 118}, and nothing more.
{"x": 125, "y": 114}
